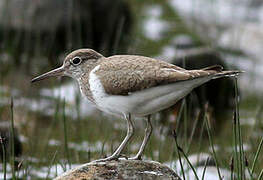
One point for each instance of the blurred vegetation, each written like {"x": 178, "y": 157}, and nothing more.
{"x": 35, "y": 36}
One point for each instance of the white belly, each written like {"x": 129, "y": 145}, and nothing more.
{"x": 142, "y": 103}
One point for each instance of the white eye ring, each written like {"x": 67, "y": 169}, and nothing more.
{"x": 76, "y": 61}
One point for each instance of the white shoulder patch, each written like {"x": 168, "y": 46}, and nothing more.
{"x": 96, "y": 88}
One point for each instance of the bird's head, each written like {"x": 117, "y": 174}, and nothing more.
{"x": 75, "y": 65}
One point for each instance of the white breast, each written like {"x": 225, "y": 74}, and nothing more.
{"x": 101, "y": 98}
{"x": 96, "y": 88}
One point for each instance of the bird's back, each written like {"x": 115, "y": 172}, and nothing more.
{"x": 123, "y": 74}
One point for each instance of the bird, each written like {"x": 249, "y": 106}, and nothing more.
{"x": 132, "y": 86}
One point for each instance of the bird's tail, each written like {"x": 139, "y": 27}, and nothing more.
{"x": 220, "y": 73}
{"x": 227, "y": 74}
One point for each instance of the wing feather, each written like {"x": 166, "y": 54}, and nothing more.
{"x": 123, "y": 74}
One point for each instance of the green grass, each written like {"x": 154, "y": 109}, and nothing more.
{"x": 178, "y": 153}
{"x": 12, "y": 139}
{"x": 190, "y": 138}
{"x": 208, "y": 128}
{"x": 3, "y": 156}
{"x": 65, "y": 134}
{"x": 67, "y": 129}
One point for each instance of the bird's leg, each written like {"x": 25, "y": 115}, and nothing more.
{"x": 130, "y": 132}
{"x": 148, "y": 132}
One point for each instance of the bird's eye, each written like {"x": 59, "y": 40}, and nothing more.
{"x": 76, "y": 61}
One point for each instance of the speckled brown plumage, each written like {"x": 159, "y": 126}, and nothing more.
{"x": 123, "y": 74}
{"x": 84, "y": 54}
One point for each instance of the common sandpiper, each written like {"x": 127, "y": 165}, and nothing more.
{"x": 132, "y": 85}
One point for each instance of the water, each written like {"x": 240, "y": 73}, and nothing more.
{"x": 163, "y": 30}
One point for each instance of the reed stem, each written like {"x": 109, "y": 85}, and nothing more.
{"x": 241, "y": 149}
{"x": 12, "y": 139}
{"x": 203, "y": 174}
{"x": 178, "y": 153}
{"x": 256, "y": 156}
{"x": 65, "y": 134}
{"x": 212, "y": 145}
{"x": 2, "y": 140}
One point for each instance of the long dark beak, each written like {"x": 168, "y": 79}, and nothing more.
{"x": 54, "y": 73}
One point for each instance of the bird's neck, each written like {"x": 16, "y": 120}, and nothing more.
{"x": 83, "y": 80}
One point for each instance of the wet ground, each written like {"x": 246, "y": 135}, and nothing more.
{"x": 59, "y": 128}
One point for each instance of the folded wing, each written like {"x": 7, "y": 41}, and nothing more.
{"x": 127, "y": 73}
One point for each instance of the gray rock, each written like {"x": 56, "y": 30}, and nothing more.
{"x": 121, "y": 169}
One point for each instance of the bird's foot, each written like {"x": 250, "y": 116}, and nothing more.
{"x": 111, "y": 158}
{"x": 136, "y": 158}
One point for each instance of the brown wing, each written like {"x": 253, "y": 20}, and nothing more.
{"x": 123, "y": 74}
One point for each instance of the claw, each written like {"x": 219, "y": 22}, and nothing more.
{"x": 110, "y": 158}
{"x": 124, "y": 156}
{"x": 136, "y": 158}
